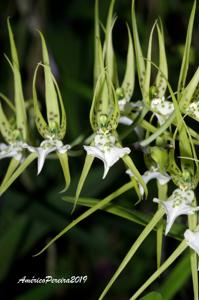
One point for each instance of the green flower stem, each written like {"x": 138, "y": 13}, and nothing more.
{"x": 179, "y": 250}
{"x": 192, "y": 220}
{"x": 150, "y": 226}
{"x": 87, "y": 213}
{"x": 162, "y": 195}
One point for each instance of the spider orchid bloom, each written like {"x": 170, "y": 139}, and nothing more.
{"x": 179, "y": 203}
{"x": 153, "y": 173}
{"x": 162, "y": 109}
{"x": 192, "y": 239}
{"x": 14, "y": 133}
{"x": 54, "y": 128}
{"x": 106, "y": 148}
{"x": 46, "y": 147}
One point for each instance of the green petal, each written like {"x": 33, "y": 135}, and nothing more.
{"x": 21, "y": 118}
{"x": 138, "y": 50}
{"x": 41, "y": 124}
{"x": 98, "y": 55}
{"x": 110, "y": 55}
{"x": 162, "y": 76}
{"x": 52, "y": 106}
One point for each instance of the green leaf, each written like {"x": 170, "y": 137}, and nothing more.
{"x": 128, "y": 214}
{"x": 186, "y": 55}
{"x": 52, "y": 106}
{"x": 129, "y": 77}
{"x": 149, "y": 227}
{"x": 21, "y": 118}
{"x": 90, "y": 211}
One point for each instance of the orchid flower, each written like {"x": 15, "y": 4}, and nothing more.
{"x": 54, "y": 129}
{"x": 105, "y": 147}
{"x": 192, "y": 239}
{"x": 15, "y": 134}
{"x": 46, "y": 147}
{"x": 179, "y": 203}
{"x": 153, "y": 173}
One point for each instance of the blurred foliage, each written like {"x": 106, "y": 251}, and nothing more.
{"x": 33, "y": 211}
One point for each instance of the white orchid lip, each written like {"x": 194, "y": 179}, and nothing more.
{"x": 105, "y": 149}
{"x": 46, "y": 147}
{"x": 193, "y": 110}
{"x": 162, "y": 109}
{"x": 153, "y": 173}
{"x": 14, "y": 149}
{"x": 179, "y": 203}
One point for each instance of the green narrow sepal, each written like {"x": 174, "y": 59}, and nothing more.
{"x": 86, "y": 168}
{"x": 52, "y": 106}
{"x": 130, "y": 164}
{"x": 63, "y": 158}
{"x": 21, "y": 118}
{"x": 17, "y": 173}
{"x": 13, "y": 164}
